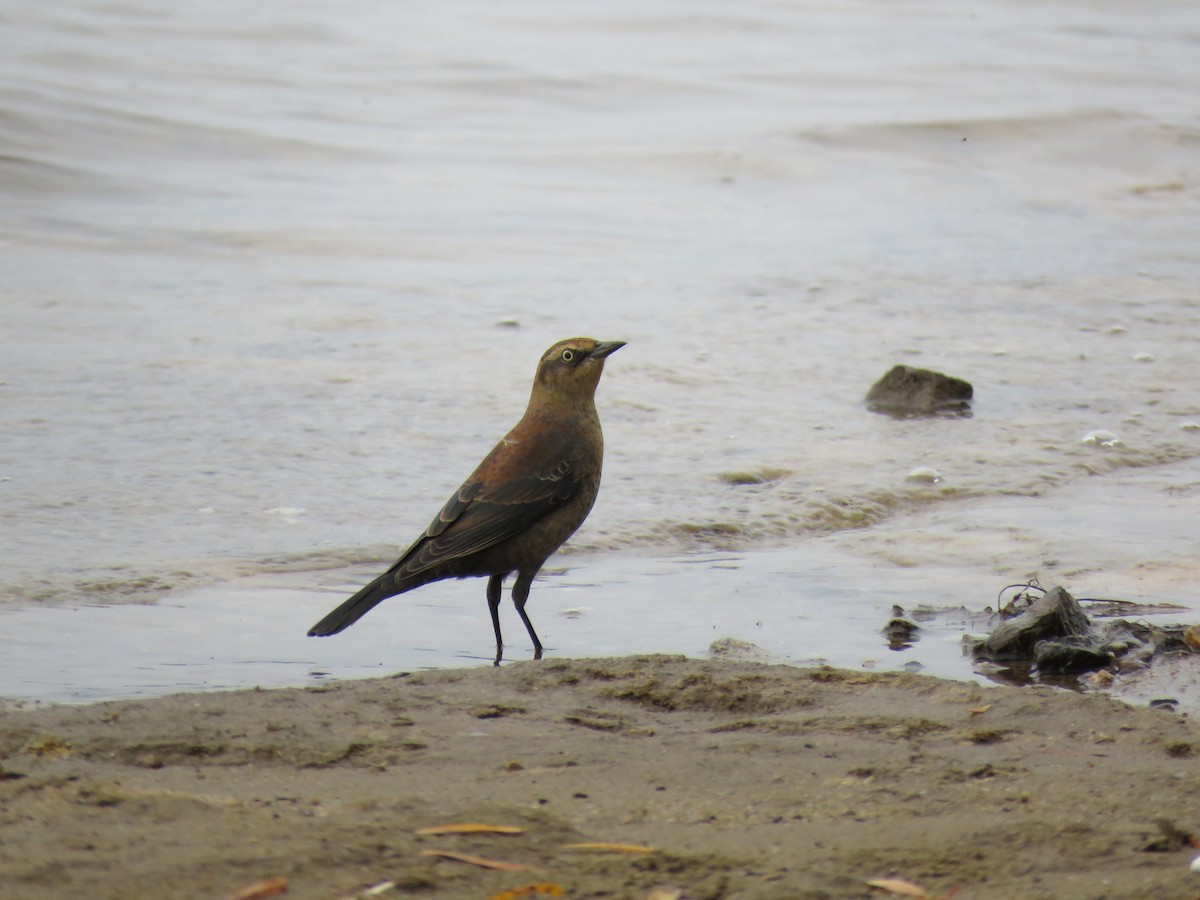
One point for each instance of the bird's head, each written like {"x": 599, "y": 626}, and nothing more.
{"x": 572, "y": 368}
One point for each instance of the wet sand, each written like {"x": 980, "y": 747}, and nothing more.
{"x": 745, "y": 780}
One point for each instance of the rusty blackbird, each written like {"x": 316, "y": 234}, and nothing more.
{"x": 521, "y": 503}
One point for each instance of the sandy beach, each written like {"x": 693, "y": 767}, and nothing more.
{"x": 732, "y": 780}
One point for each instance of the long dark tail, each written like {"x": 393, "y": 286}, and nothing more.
{"x": 359, "y": 605}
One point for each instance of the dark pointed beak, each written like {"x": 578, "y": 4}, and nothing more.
{"x": 604, "y": 348}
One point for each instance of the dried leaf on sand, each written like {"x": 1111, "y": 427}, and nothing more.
{"x": 605, "y": 847}
{"x": 470, "y": 828}
{"x": 898, "y": 886}
{"x": 545, "y": 888}
{"x": 481, "y": 861}
{"x": 268, "y": 887}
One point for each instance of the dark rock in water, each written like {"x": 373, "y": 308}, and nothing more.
{"x": 1071, "y": 654}
{"x": 1171, "y": 641}
{"x": 1052, "y": 636}
{"x": 905, "y": 391}
{"x": 1164, "y": 703}
{"x": 1055, "y": 615}
{"x": 1144, "y": 641}
{"x": 900, "y": 631}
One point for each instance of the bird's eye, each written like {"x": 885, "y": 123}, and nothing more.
{"x": 568, "y": 356}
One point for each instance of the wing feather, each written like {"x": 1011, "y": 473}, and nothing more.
{"x": 493, "y": 505}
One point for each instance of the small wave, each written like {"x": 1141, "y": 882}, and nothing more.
{"x": 117, "y": 585}
{"x": 777, "y": 511}
{"x": 1065, "y": 125}
{"x": 148, "y": 584}
{"x": 767, "y": 509}
{"x": 26, "y": 174}
{"x": 775, "y": 520}
{"x": 1098, "y": 459}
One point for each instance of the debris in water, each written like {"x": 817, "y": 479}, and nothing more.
{"x": 901, "y": 632}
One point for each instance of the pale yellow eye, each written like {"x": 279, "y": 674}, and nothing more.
{"x": 568, "y": 356}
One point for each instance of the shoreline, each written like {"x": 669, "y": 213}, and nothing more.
{"x": 746, "y": 780}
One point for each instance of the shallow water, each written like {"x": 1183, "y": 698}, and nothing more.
{"x": 275, "y": 279}
{"x": 819, "y": 602}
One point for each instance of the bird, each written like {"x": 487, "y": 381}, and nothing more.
{"x": 530, "y": 493}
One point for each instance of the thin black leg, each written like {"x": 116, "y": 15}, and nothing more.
{"x": 520, "y": 593}
{"x": 495, "y": 583}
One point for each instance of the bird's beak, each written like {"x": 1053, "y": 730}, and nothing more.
{"x": 604, "y": 348}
